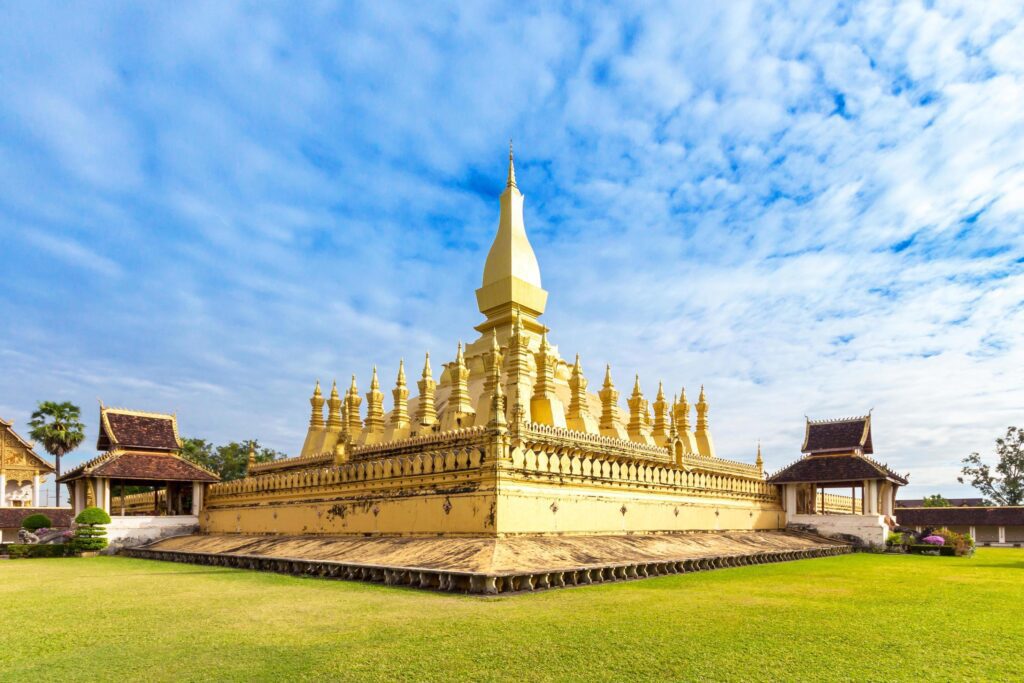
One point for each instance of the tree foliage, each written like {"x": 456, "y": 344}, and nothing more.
{"x": 1004, "y": 484}
{"x": 936, "y": 501}
{"x": 230, "y": 461}
{"x": 58, "y": 427}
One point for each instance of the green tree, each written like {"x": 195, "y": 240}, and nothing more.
{"x": 230, "y": 461}
{"x": 1006, "y": 485}
{"x": 58, "y": 428}
{"x": 936, "y": 501}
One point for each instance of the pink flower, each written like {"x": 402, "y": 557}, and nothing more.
{"x": 934, "y": 540}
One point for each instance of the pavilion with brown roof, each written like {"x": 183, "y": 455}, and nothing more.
{"x": 139, "y": 449}
{"x": 837, "y": 456}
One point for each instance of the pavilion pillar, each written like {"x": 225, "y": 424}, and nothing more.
{"x": 3, "y": 490}
{"x": 790, "y": 499}
{"x": 79, "y": 496}
{"x": 888, "y": 496}
{"x": 197, "y": 497}
{"x": 36, "y": 491}
{"x": 106, "y": 495}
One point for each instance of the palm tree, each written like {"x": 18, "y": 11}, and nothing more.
{"x": 57, "y": 428}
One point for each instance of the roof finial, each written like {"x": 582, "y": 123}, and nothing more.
{"x": 511, "y": 167}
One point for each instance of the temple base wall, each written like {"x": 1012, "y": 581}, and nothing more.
{"x": 409, "y": 513}
{"x": 526, "y": 509}
{"x": 478, "y": 483}
{"x": 128, "y": 532}
{"x": 870, "y": 529}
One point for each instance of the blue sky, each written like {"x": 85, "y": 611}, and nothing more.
{"x": 811, "y": 209}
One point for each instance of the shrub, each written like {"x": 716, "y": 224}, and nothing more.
{"x": 92, "y": 515}
{"x": 961, "y": 544}
{"x": 22, "y": 550}
{"x": 36, "y": 522}
{"x": 896, "y": 538}
{"x": 934, "y": 540}
{"x": 90, "y": 534}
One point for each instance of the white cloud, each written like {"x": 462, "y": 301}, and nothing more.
{"x": 715, "y": 193}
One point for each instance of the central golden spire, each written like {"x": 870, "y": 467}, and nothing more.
{"x": 511, "y": 182}
{"x": 511, "y": 278}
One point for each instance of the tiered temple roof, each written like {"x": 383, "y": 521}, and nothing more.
{"x": 140, "y": 447}
{"x": 837, "y": 451}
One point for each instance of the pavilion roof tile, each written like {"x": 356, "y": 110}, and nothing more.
{"x": 12, "y": 518}
{"x": 120, "y": 464}
{"x": 846, "y": 434}
{"x": 961, "y": 516}
{"x": 136, "y": 429}
{"x": 835, "y": 468}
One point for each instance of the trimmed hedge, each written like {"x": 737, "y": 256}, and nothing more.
{"x": 92, "y": 515}
{"x": 90, "y": 534}
{"x": 36, "y": 522}
{"x": 24, "y": 550}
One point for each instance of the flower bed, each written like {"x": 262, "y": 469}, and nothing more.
{"x": 943, "y": 542}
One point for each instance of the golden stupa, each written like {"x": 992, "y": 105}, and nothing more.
{"x": 503, "y": 472}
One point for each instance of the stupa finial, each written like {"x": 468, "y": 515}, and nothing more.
{"x": 511, "y": 182}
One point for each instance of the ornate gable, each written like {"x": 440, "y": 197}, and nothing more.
{"x": 17, "y": 452}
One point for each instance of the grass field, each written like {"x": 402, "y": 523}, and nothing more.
{"x": 855, "y": 617}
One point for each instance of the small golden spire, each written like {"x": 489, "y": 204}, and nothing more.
{"x": 426, "y": 412}
{"x": 316, "y": 401}
{"x": 579, "y": 417}
{"x": 352, "y": 402}
{"x": 609, "y": 422}
{"x": 401, "y": 372}
{"x": 495, "y": 347}
{"x": 373, "y": 425}
{"x": 759, "y": 462}
{"x": 511, "y": 182}
{"x": 334, "y": 420}
{"x": 544, "y": 346}
{"x": 252, "y": 454}
{"x": 661, "y": 393}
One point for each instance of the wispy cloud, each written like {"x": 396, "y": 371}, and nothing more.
{"x": 810, "y": 210}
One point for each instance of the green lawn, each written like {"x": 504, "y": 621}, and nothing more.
{"x": 856, "y": 617}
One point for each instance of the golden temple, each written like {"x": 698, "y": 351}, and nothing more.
{"x": 506, "y": 438}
